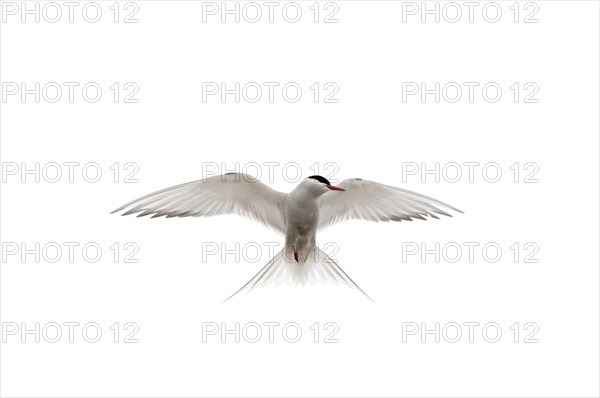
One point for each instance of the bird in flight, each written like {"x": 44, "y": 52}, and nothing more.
{"x": 314, "y": 204}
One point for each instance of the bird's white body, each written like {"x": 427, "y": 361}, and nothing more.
{"x": 312, "y": 205}
{"x": 302, "y": 219}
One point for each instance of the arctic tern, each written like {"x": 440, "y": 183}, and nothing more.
{"x": 314, "y": 204}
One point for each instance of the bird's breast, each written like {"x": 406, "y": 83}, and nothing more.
{"x": 302, "y": 220}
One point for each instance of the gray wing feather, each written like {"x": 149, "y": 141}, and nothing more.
{"x": 369, "y": 200}
{"x": 232, "y": 193}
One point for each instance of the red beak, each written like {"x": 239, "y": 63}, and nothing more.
{"x": 334, "y": 188}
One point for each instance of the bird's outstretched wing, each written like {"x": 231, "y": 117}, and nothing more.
{"x": 231, "y": 193}
{"x": 369, "y": 200}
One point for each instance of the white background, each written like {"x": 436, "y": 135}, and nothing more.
{"x": 170, "y": 134}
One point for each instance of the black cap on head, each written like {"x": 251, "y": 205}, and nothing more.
{"x": 322, "y": 180}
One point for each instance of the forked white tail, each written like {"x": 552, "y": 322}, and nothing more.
{"x": 284, "y": 270}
